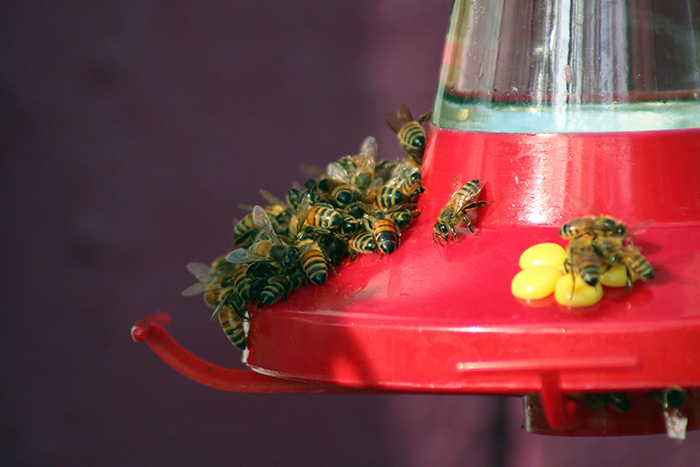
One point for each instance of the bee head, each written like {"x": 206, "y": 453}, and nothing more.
{"x": 611, "y": 226}
{"x": 290, "y": 259}
{"x": 294, "y": 197}
{"x": 441, "y": 229}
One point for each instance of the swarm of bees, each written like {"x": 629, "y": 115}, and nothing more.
{"x": 597, "y": 243}
{"x": 355, "y": 206}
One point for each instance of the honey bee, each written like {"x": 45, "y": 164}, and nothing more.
{"x": 406, "y": 177}
{"x": 323, "y": 217}
{"x": 599, "y": 400}
{"x": 613, "y": 250}
{"x": 297, "y": 279}
{"x": 245, "y": 229}
{"x": 596, "y": 225}
{"x": 673, "y": 397}
{"x": 362, "y": 243}
{"x": 358, "y": 170}
{"x": 410, "y": 133}
{"x": 584, "y": 259}
{"x": 272, "y": 249}
{"x": 334, "y": 248}
{"x": 275, "y": 289}
{"x": 388, "y": 197}
{"x": 386, "y": 235}
{"x": 403, "y": 217}
{"x": 382, "y": 196}
{"x": 455, "y": 212}
{"x": 339, "y": 193}
{"x": 243, "y": 281}
{"x": 350, "y": 226}
{"x": 313, "y": 261}
{"x": 633, "y": 258}
{"x": 232, "y": 324}
{"x": 209, "y": 278}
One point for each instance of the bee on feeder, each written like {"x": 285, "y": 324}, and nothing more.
{"x": 409, "y": 132}
{"x": 455, "y": 211}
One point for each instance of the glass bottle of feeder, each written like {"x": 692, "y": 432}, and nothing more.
{"x": 561, "y": 109}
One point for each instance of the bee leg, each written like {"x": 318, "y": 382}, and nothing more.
{"x": 568, "y": 267}
{"x": 437, "y": 238}
{"x": 628, "y": 271}
{"x": 468, "y": 223}
{"x": 351, "y": 258}
{"x": 425, "y": 117}
{"x": 330, "y": 266}
{"x": 454, "y": 234}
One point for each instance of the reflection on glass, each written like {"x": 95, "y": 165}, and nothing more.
{"x": 571, "y": 66}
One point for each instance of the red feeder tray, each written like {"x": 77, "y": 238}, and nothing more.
{"x": 432, "y": 318}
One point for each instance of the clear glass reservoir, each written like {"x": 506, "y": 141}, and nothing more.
{"x": 542, "y": 66}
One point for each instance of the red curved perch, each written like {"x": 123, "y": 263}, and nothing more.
{"x": 151, "y": 330}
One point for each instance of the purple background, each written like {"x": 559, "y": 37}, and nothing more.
{"x": 130, "y": 132}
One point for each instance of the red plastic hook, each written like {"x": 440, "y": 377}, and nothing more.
{"x": 151, "y": 330}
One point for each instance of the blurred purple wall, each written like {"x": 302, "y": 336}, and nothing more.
{"x": 130, "y": 132}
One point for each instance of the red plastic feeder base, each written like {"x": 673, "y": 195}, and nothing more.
{"x": 441, "y": 318}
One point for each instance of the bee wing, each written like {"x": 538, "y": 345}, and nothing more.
{"x": 199, "y": 288}
{"x": 219, "y": 306}
{"x": 403, "y": 170}
{"x": 365, "y": 162}
{"x": 471, "y": 195}
{"x": 397, "y": 119}
{"x": 246, "y": 207}
{"x": 474, "y": 194}
{"x": 272, "y": 199}
{"x": 373, "y": 189}
{"x": 302, "y": 212}
{"x": 376, "y": 184}
{"x": 369, "y": 149}
{"x": 641, "y": 227}
{"x": 404, "y": 113}
{"x": 638, "y": 229}
{"x": 392, "y": 119}
{"x": 241, "y": 255}
{"x": 583, "y": 206}
{"x": 262, "y": 221}
{"x": 336, "y": 171}
{"x": 311, "y": 170}
{"x": 203, "y": 272}
{"x": 456, "y": 185}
